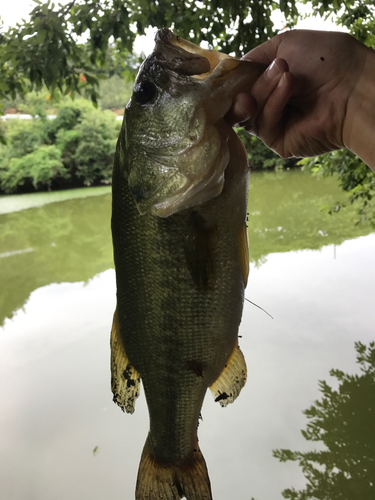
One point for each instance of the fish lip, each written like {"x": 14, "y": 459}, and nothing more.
{"x": 168, "y": 46}
{"x": 170, "y": 50}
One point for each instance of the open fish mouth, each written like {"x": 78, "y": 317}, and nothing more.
{"x": 197, "y": 62}
{"x": 184, "y": 92}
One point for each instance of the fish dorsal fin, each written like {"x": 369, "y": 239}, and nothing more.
{"x": 199, "y": 251}
{"x": 125, "y": 380}
{"x": 244, "y": 253}
{"x": 231, "y": 380}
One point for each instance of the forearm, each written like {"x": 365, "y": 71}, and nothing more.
{"x": 359, "y": 125}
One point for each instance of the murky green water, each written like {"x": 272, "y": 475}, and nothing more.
{"x": 313, "y": 272}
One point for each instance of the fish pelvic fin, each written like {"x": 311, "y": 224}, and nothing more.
{"x": 165, "y": 481}
{"x": 231, "y": 380}
{"x": 125, "y": 380}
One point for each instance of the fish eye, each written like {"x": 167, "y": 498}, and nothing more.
{"x": 144, "y": 92}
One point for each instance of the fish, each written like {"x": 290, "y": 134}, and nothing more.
{"x": 179, "y": 207}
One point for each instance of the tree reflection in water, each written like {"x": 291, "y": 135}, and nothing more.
{"x": 344, "y": 420}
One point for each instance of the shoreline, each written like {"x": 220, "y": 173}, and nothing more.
{"x": 10, "y": 203}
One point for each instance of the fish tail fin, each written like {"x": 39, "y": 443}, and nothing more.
{"x": 165, "y": 481}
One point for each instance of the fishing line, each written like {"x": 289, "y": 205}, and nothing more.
{"x": 261, "y": 308}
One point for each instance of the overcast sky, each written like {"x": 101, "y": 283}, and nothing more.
{"x": 12, "y": 11}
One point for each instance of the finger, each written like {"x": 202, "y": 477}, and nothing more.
{"x": 272, "y": 120}
{"x": 243, "y": 108}
{"x": 261, "y": 91}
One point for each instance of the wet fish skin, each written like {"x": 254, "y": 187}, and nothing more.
{"x": 181, "y": 269}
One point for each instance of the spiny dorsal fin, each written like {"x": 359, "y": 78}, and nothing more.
{"x": 125, "y": 379}
{"x": 231, "y": 380}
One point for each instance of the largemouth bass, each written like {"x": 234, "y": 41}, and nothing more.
{"x": 180, "y": 183}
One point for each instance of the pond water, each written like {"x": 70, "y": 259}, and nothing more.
{"x": 62, "y": 438}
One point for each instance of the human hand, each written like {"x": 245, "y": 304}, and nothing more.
{"x": 305, "y": 103}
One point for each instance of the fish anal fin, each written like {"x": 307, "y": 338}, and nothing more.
{"x": 244, "y": 253}
{"x": 199, "y": 251}
{"x": 167, "y": 481}
{"x": 231, "y": 380}
{"x": 125, "y": 380}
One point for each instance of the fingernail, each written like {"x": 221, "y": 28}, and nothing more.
{"x": 272, "y": 70}
{"x": 282, "y": 80}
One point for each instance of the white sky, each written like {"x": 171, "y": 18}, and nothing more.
{"x": 12, "y": 11}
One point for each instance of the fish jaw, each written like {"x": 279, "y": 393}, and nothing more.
{"x": 176, "y": 142}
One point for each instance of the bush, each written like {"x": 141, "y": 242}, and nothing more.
{"x": 97, "y": 137}
{"x": 23, "y": 137}
{"x": 75, "y": 149}
{"x": 354, "y": 177}
{"x": 115, "y": 92}
{"x": 262, "y": 158}
{"x": 38, "y": 169}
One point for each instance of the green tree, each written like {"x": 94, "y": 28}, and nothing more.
{"x": 262, "y": 158}
{"x": 114, "y": 92}
{"x": 344, "y": 422}
{"x": 39, "y": 167}
{"x": 354, "y": 177}
{"x": 76, "y": 148}
{"x": 46, "y": 51}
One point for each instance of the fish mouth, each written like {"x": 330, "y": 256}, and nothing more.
{"x": 186, "y": 58}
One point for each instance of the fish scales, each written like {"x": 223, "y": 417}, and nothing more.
{"x": 177, "y": 320}
{"x": 181, "y": 261}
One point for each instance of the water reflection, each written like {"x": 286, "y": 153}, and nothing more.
{"x": 61, "y": 242}
{"x": 54, "y": 354}
{"x": 343, "y": 420}
{"x": 70, "y": 241}
{"x": 285, "y": 214}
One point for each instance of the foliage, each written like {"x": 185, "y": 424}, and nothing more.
{"x": 46, "y": 50}
{"x": 260, "y": 157}
{"x": 354, "y": 177}
{"x": 38, "y": 168}
{"x": 96, "y": 143}
{"x": 76, "y": 148}
{"x": 23, "y": 138}
{"x": 344, "y": 421}
{"x": 355, "y": 15}
{"x": 358, "y": 16}
{"x": 114, "y": 92}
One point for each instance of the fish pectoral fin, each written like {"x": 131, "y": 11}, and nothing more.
{"x": 125, "y": 380}
{"x": 171, "y": 481}
{"x": 231, "y": 380}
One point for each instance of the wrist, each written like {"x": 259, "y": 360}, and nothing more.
{"x": 359, "y": 124}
